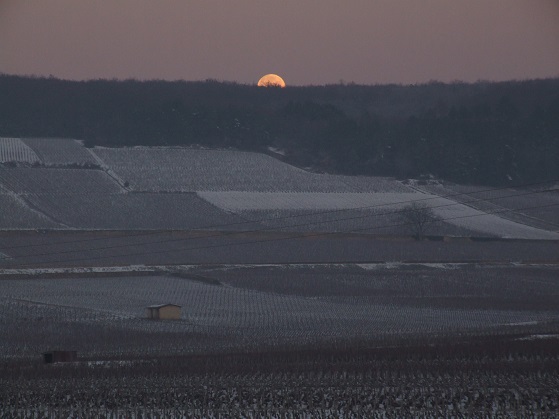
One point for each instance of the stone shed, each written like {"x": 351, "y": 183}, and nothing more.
{"x": 163, "y": 312}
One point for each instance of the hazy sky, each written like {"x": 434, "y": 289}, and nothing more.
{"x": 304, "y": 41}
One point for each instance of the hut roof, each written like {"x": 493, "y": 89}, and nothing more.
{"x": 163, "y": 305}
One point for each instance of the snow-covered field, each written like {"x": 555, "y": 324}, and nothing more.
{"x": 15, "y": 150}
{"x": 60, "y": 151}
{"x": 240, "y": 315}
{"x": 57, "y": 181}
{"x": 183, "y": 211}
{"x": 185, "y": 188}
{"x": 385, "y": 205}
{"x": 474, "y": 219}
{"x": 316, "y": 201}
{"x": 192, "y": 170}
{"x": 16, "y": 213}
{"x": 537, "y": 206}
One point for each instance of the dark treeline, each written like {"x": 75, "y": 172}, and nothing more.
{"x": 484, "y": 133}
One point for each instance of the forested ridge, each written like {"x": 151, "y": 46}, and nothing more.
{"x": 484, "y": 133}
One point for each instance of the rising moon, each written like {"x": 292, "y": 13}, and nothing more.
{"x": 271, "y": 80}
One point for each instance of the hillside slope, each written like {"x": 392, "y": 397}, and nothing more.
{"x": 189, "y": 189}
{"x": 483, "y": 133}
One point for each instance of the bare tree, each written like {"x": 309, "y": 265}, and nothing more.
{"x": 418, "y": 218}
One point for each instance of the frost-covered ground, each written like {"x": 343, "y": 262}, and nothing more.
{"x": 267, "y": 306}
{"x": 15, "y": 150}
{"x": 384, "y": 204}
{"x": 60, "y": 151}
{"x": 58, "y": 183}
{"x": 137, "y": 211}
{"x": 536, "y": 205}
{"x": 155, "y": 247}
{"x": 316, "y": 340}
{"x": 17, "y": 214}
{"x": 317, "y": 201}
{"x": 488, "y": 223}
{"x": 190, "y": 170}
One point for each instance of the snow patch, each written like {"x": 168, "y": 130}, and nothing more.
{"x": 473, "y": 219}
{"x": 15, "y": 150}
{"x": 254, "y": 201}
{"x": 530, "y": 323}
{"x": 536, "y": 337}
{"x": 277, "y": 151}
{"x": 376, "y": 266}
{"x": 100, "y": 269}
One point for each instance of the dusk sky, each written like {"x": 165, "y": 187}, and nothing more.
{"x": 304, "y": 41}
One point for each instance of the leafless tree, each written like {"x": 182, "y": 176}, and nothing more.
{"x": 418, "y": 218}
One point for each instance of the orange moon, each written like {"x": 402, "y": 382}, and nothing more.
{"x": 271, "y": 80}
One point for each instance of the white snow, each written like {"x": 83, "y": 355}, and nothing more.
{"x": 530, "y": 323}
{"x": 396, "y": 265}
{"x": 15, "y": 150}
{"x": 230, "y": 310}
{"x": 189, "y": 170}
{"x": 535, "y": 337}
{"x": 99, "y": 269}
{"x": 277, "y": 151}
{"x": 251, "y": 201}
{"x": 450, "y": 211}
{"x": 473, "y": 219}
{"x": 233, "y": 181}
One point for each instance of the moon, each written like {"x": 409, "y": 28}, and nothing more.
{"x": 271, "y": 80}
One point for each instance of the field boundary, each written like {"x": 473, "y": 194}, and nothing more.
{"x": 266, "y": 233}
{"x": 175, "y": 271}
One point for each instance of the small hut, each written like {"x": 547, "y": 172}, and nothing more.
{"x": 52, "y": 357}
{"x": 164, "y": 312}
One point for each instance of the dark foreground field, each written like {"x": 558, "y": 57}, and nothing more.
{"x": 52, "y": 248}
{"x": 459, "y": 328}
{"x": 511, "y": 376}
{"x": 386, "y": 340}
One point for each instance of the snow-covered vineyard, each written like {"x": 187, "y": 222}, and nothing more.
{"x": 284, "y": 312}
{"x": 241, "y": 307}
{"x": 423, "y": 341}
{"x": 60, "y": 184}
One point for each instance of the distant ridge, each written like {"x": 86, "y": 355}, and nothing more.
{"x": 483, "y": 133}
